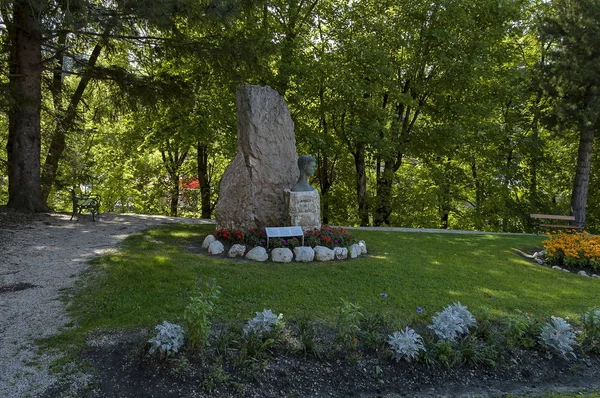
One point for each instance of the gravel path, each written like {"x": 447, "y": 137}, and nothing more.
{"x": 40, "y": 255}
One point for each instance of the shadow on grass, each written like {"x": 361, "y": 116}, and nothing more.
{"x": 152, "y": 277}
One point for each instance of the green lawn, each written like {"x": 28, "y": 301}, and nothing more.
{"x": 150, "y": 280}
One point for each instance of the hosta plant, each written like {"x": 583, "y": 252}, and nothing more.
{"x": 168, "y": 341}
{"x": 406, "y": 344}
{"x": 557, "y": 335}
{"x": 452, "y": 322}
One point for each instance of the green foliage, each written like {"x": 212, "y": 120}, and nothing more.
{"x": 373, "y": 327}
{"x": 590, "y": 321}
{"x": 306, "y": 330}
{"x": 325, "y": 236}
{"x": 522, "y": 330}
{"x": 348, "y": 324}
{"x": 199, "y": 312}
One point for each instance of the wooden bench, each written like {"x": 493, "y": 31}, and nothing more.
{"x": 85, "y": 202}
{"x": 539, "y": 224}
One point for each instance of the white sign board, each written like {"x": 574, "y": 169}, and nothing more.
{"x": 284, "y": 232}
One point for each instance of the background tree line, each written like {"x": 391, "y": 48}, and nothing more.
{"x": 441, "y": 114}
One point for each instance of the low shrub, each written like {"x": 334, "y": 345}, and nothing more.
{"x": 199, "y": 312}
{"x": 259, "y": 334}
{"x": 522, "y": 330}
{"x": 557, "y": 335}
{"x": 406, "y": 344}
{"x": 167, "y": 341}
{"x": 348, "y": 324}
{"x": 452, "y": 322}
{"x": 325, "y": 236}
{"x": 230, "y": 236}
{"x": 590, "y": 321}
{"x": 573, "y": 250}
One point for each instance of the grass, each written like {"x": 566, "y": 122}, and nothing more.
{"x": 150, "y": 279}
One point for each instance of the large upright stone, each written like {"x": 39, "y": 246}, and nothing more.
{"x": 251, "y": 191}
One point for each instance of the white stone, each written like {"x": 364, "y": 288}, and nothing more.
{"x": 354, "y": 251}
{"x": 539, "y": 261}
{"x": 363, "y": 247}
{"x": 281, "y": 255}
{"x": 216, "y": 248}
{"x": 595, "y": 276}
{"x": 304, "y": 254}
{"x": 207, "y": 241}
{"x": 237, "y": 250}
{"x": 557, "y": 267}
{"x": 303, "y": 209}
{"x": 582, "y": 273}
{"x": 323, "y": 253}
{"x": 258, "y": 253}
{"x": 565, "y": 270}
{"x": 341, "y": 253}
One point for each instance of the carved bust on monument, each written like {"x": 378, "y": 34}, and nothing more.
{"x": 303, "y": 202}
{"x": 307, "y": 165}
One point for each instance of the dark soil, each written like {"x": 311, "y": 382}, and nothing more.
{"x": 121, "y": 368}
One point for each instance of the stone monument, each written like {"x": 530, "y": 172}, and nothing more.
{"x": 251, "y": 190}
{"x": 303, "y": 203}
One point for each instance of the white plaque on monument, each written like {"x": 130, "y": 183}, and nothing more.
{"x": 304, "y": 209}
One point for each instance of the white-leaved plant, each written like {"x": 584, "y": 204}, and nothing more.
{"x": 168, "y": 341}
{"x": 591, "y": 323}
{"x": 263, "y": 323}
{"x": 557, "y": 335}
{"x": 406, "y": 344}
{"x": 453, "y": 321}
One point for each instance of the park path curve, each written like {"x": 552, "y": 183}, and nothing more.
{"x": 43, "y": 257}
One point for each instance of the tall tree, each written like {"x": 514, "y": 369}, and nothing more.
{"x": 24, "y": 134}
{"x": 575, "y": 81}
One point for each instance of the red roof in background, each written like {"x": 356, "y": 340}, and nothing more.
{"x": 192, "y": 184}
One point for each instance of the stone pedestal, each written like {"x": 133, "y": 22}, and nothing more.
{"x": 303, "y": 209}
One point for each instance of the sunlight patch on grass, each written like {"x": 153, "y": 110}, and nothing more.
{"x": 147, "y": 283}
{"x": 497, "y": 294}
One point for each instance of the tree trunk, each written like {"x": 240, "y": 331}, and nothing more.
{"x": 64, "y": 123}
{"x": 361, "y": 186}
{"x": 204, "y": 179}
{"x": 325, "y": 168}
{"x": 582, "y": 175}
{"x": 384, "y": 194}
{"x": 325, "y": 185}
{"x": 24, "y": 136}
{"x": 175, "y": 194}
{"x": 173, "y": 161}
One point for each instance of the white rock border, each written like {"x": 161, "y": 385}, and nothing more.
{"x": 538, "y": 257}
{"x": 257, "y": 255}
